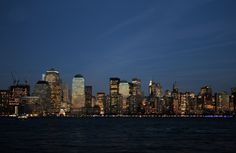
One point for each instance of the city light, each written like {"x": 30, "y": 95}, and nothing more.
{"x": 50, "y": 97}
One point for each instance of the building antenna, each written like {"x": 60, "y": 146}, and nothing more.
{"x": 13, "y": 78}
{"x": 26, "y": 79}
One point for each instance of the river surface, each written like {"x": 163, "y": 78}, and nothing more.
{"x": 118, "y": 135}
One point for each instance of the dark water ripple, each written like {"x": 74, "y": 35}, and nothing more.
{"x": 121, "y": 135}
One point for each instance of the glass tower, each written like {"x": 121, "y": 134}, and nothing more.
{"x": 53, "y": 78}
{"x": 114, "y": 96}
{"x": 78, "y": 93}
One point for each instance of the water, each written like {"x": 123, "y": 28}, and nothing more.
{"x": 118, "y": 135}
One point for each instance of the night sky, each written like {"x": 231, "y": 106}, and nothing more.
{"x": 192, "y": 42}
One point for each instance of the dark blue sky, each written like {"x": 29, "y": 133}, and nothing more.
{"x": 191, "y": 42}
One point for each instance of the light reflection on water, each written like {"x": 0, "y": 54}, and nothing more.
{"x": 118, "y": 135}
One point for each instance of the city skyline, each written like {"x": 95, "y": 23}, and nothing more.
{"x": 145, "y": 85}
{"x": 117, "y": 76}
{"x": 191, "y": 42}
{"x": 50, "y": 96}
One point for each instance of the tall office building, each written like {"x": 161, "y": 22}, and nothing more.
{"x": 192, "y": 103}
{"x": 176, "y": 99}
{"x": 152, "y": 88}
{"x": 222, "y": 102}
{"x": 65, "y": 91}
{"x": 168, "y": 103}
{"x": 53, "y": 78}
{"x": 4, "y": 101}
{"x": 114, "y": 96}
{"x": 124, "y": 91}
{"x": 124, "y": 88}
{"x": 88, "y": 96}
{"x": 78, "y": 93}
{"x": 233, "y": 100}
{"x": 154, "y": 96}
{"x": 158, "y": 90}
{"x": 206, "y": 99}
{"x": 17, "y": 92}
{"x": 101, "y": 101}
{"x": 66, "y": 103}
{"x": 184, "y": 103}
{"x": 136, "y": 87}
{"x": 88, "y": 99}
{"x": 43, "y": 91}
{"x": 136, "y": 98}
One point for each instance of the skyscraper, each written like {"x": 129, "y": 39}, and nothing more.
{"x": 233, "y": 97}
{"x": 88, "y": 99}
{"x": 222, "y": 102}
{"x": 158, "y": 90}
{"x": 206, "y": 99}
{"x": 43, "y": 91}
{"x": 4, "y": 101}
{"x": 78, "y": 94}
{"x": 17, "y": 92}
{"x": 154, "y": 96}
{"x": 176, "y": 99}
{"x": 124, "y": 91}
{"x": 114, "y": 96}
{"x": 53, "y": 78}
{"x": 152, "y": 88}
{"x": 65, "y": 94}
{"x": 136, "y": 97}
{"x": 192, "y": 103}
{"x": 101, "y": 100}
{"x": 124, "y": 88}
{"x": 184, "y": 103}
{"x": 136, "y": 87}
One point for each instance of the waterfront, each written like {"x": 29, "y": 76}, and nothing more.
{"x": 74, "y": 135}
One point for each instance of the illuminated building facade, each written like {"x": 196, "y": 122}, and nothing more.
{"x": 184, "y": 101}
{"x": 124, "y": 88}
{"x": 136, "y": 97}
{"x": 101, "y": 101}
{"x": 66, "y": 95}
{"x": 66, "y": 103}
{"x": 17, "y": 92}
{"x": 78, "y": 94}
{"x": 158, "y": 90}
{"x": 4, "y": 102}
{"x": 33, "y": 105}
{"x": 222, "y": 103}
{"x": 167, "y": 104}
{"x": 53, "y": 78}
{"x": 42, "y": 90}
{"x": 153, "y": 98}
{"x": 152, "y": 88}
{"x": 94, "y": 101}
{"x": 124, "y": 91}
{"x": 206, "y": 100}
{"x": 51, "y": 97}
{"x": 136, "y": 87}
{"x": 114, "y": 96}
{"x": 176, "y": 99}
{"x": 233, "y": 100}
{"x": 192, "y": 103}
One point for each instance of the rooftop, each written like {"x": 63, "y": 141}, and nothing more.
{"x": 52, "y": 70}
{"x": 78, "y": 76}
{"x": 42, "y": 82}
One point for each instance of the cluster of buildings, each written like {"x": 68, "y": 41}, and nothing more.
{"x": 51, "y": 97}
